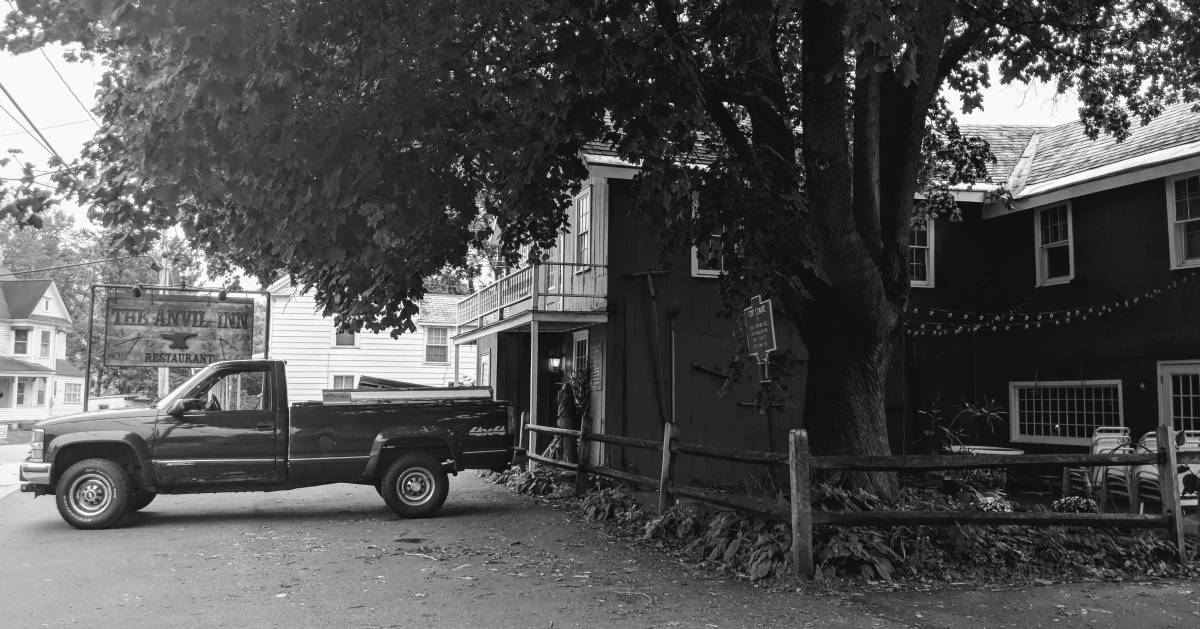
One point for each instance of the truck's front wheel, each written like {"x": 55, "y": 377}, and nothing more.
{"x": 415, "y": 486}
{"x": 93, "y": 494}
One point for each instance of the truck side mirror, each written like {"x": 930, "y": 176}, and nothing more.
{"x": 179, "y": 407}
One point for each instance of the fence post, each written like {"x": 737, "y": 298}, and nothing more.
{"x": 798, "y": 459}
{"x": 670, "y": 431}
{"x": 1168, "y": 479}
{"x": 581, "y": 460}
{"x": 522, "y": 435}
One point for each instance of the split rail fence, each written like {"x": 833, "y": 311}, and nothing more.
{"x": 802, "y": 465}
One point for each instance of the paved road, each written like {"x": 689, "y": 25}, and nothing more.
{"x": 335, "y": 557}
{"x": 10, "y": 457}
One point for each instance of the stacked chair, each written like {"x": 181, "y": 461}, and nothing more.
{"x": 1102, "y": 482}
{"x": 1146, "y": 477}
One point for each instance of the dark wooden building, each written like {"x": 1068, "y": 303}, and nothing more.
{"x": 1076, "y": 307}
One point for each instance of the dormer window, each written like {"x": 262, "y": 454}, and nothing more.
{"x": 45, "y": 304}
{"x": 1055, "y": 259}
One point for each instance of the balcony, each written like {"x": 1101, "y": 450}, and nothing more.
{"x": 547, "y": 287}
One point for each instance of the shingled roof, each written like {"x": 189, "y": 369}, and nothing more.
{"x": 1065, "y": 150}
{"x": 22, "y": 296}
{"x": 1007, "y": 143}
{"x": 439, "y": 309}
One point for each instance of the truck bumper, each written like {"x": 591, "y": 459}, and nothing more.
{"x": 35, "y": 477}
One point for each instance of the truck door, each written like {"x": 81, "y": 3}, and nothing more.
{"x": 231, "y": 435}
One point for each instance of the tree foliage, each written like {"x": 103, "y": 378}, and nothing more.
{"x": 349, "y": 143}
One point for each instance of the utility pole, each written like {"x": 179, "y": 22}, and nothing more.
{"x": 164, "y": 373}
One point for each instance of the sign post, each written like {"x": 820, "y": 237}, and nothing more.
{"x": 759, "y": 322}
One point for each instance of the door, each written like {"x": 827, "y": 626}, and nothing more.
{"x": 1179, "y": 394}
{"x": 234, "y": 437}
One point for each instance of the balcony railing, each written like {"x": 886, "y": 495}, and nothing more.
{"x": 545, "y": 287}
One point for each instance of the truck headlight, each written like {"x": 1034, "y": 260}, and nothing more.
{"x": 37, "y": 445}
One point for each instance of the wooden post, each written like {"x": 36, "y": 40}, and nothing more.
{"x": 581, "y": 459}
{"x": 521, "y": 438}
{"x": 1168, "y": 488}
{"x": 533, "y": 381}
{"x": 802, "y": 551}
{"x": 670, "y": 431}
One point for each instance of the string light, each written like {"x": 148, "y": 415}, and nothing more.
{"x": 1011, "y": 319}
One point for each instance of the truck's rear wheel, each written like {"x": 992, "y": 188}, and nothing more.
{"x": 415, "y": 486}
{"x": 93, "y": 494}
{"x": 139, "y": 500}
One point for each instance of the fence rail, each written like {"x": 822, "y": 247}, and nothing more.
{"x": 801, "y": 465}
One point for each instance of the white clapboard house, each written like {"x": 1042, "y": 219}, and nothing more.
{"x": 36, "y": 381}
{"x": 319, "y": 357}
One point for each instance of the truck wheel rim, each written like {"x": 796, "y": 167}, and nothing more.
{"x": 91, "y": 494}
{"x": 415, "y": 486}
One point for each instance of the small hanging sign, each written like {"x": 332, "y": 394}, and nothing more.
{"x": 759, "y": 321}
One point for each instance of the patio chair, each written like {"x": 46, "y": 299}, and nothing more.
{"x": 1089, "y": 481}
{"x": 1147, "y": 476}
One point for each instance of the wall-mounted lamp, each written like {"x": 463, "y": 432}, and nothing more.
{"x": 555, "y": 362}
{"x": 222, "y": 296}
{"x": 137, "y": 292}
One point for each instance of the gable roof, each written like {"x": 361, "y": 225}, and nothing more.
{"x": 439, "y": 309}
{"x": 23, "y": 296}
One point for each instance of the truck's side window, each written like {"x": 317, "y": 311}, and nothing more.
{"x": 235, "y": 391}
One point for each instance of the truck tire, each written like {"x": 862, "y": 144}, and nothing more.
{"x": 93, "y": 494}
{"x": 139, "y": 500}
{"x": 415, "y": 486}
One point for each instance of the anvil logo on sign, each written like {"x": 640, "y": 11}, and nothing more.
{"x": 178, "y": 339}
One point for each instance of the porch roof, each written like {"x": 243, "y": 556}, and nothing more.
{"x": 554, "y": 321}
{"x": 10, "y": 365}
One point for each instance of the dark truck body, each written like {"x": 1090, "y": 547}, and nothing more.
{"x": 261, "y": 443}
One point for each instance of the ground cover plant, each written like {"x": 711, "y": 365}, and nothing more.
{"x": 758, "y": 548}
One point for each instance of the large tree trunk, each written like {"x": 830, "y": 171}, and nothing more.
{"x": 844, "y": 400}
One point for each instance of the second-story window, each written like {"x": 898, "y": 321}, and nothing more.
{"x": 45, "y": 342}
{"x": 20, "y": 341}
{"x": 1183, "y": 201}
{"x": 437, "y": 348}
{"x": 1055, "y": 262}
{"x": 920, "y": 254}
{"x": 708, "y": 257}
{"x": 583, "y": 229}
{"x": 344, "y": 339}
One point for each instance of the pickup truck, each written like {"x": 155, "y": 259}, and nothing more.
{"x": 230, "y": 428}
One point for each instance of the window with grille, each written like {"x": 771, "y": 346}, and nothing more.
{"x": 72, "y": 393}
{"x": 1183, "y": 217}
{"x": 20, "y": 341}
{"x": 583, "y": 230}
{"x": 1180, "y": 394}
{"x": 1055, "y": 264}
{"x": 920, "y": 254}
{"x": 1063, "y": 412}
{"x": 343, "y": 382}
{"x": 437, "y": 346}
{"x": 45, "y": 343}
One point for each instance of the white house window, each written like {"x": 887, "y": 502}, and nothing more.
{"x": 344, "y": 339}
{"x": 20, "y": 341}
{"x": 1183, "y": 217}
{"x": 583, "y": 229}
{"x": 72, "y": 393}
{"x": 1179, "y": 393}
{"x": 342, "y": 381}
{"x": 1065, "y": 412}
{"x": 920, "y": 254}
{"x": 708, "y": 257}
{"x": 580, "y": 355}
{"x": 45, "y": 342}
{"x": 46, "y": 304}
{"x": 437, "y": 345}
{"x": 1055, "y": 262}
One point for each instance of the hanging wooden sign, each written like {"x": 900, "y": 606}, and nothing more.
{"x": 176, "y": 330}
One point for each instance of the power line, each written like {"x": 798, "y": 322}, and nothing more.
{"x": 23, "y": 129}
{"x": 53, "y": 126}
{"x": 30, "y": 121}
{"x": 68, "y": 86}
